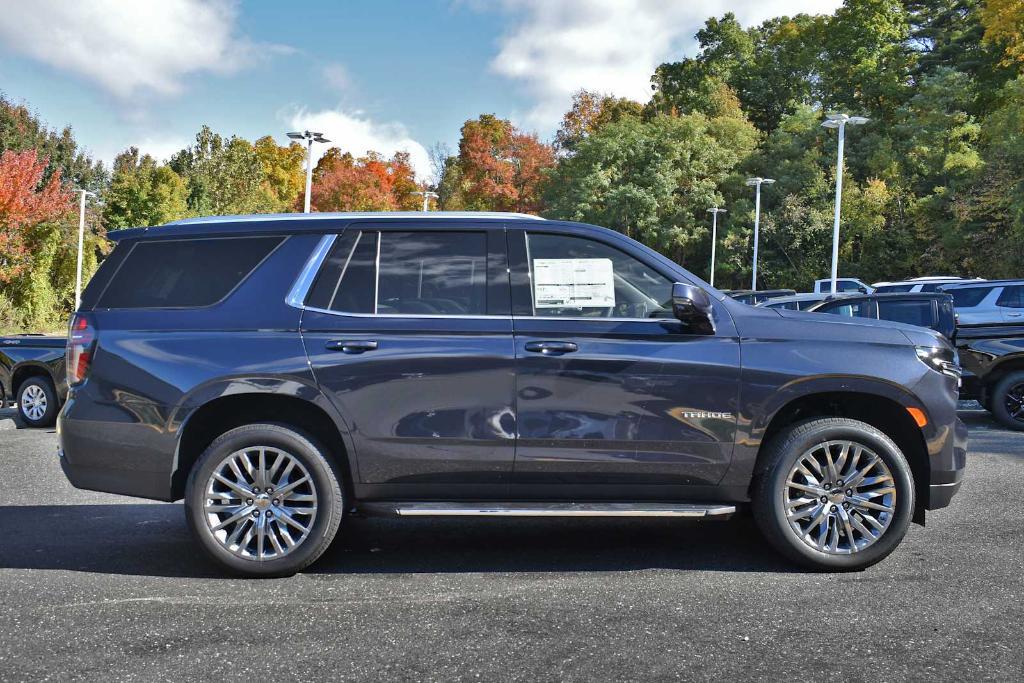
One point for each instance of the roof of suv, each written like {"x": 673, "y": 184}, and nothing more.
{"x": 981, "y": 283}
{"x": 309, "y": 221}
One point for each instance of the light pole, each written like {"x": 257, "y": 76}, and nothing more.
{"x": 426, "y": 198}
{"x": 310, "y": 137}
{"x": 839, "y": 121}
{"x": 757, "y": 183}
{"x": 81, "y": 240}
{"x": 714, "y": 211}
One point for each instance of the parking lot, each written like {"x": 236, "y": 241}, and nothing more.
{"x": 95, "y": 586}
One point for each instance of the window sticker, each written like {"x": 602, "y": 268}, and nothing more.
{"x": 573, "y": 283}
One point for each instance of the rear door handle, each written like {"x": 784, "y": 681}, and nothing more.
{"x": 551, "y": 348}
{"x": 1015, "y": 315}
{"x": 352, "y": 346}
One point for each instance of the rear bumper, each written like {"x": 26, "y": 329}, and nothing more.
{"x": 113, "y": 457}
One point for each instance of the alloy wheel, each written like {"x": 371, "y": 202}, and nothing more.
{"x": 33, "y": 402}
{"x": 839, "y": 497}
{"x": 1014, "y": 402}
{"x": 260, "y": 503}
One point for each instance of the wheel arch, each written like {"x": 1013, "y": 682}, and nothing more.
{"x": 27, "y": 369}
{"x": 880, "y": 410}
{"x": 219, "y": 414}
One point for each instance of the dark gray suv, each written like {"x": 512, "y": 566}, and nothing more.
{"x": 281, "y": 372}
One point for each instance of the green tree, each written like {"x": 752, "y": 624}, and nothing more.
{"x": 143, "y": 193}
{"x": 652, "y": 180}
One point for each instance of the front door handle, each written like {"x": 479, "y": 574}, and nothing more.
{"x": 551, "y": 348}
{"x": 1015, "y": 315}
{"x": 351, "y": 346}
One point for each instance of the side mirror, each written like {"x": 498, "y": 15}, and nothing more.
{"x": 862, "y": 290}
{"x": 692, "y": 305}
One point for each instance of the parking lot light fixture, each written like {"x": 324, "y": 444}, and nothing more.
{"x": 839, "y": 122}
{"x": 310, "y": 137}
{"x": 714, "y": 211}
{"x": 757, "y": 183}
{"x": 427, "y": 195}
{"x": 81, "y": 240}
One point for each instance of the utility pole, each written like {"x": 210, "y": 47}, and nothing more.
{"x": 310, "y": 137}
{"x": 714, "y": 211}
{"x": 426, "y": 198}
{"x": 840, "y": 122}
{"x": 81, "y": 241}
{"x": 757, "y": 183}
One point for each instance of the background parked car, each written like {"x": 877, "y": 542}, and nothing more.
{"x": 993, "y": 362}
{"x": 933, "y": 310}
{"x": 751, "y": 297}
{"x": 988, "y": 302}
{"x": 843, "y": 284}
{"x": 32, "y": 375}
{"x": 932, "y": 283}
{"x": 795, "y": 302}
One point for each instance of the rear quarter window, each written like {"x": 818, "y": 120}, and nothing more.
{"x": 186, "y": 273}
{"x": 969, "y": 297}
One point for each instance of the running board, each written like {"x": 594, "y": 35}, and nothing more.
{"x": 691, "y": 510}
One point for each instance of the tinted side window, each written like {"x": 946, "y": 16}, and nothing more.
{"x": 578, "y": 277}
{"x": 433, "y": 273}
{"x": 910, "y": 312}
{"x": 846, "y": 286}
{"x": 856, "y": 309}
{"x": 184, "y": 273}
{"x": 347, "y": 279}
{"x": 967, "y": 298}
{"x": 893, "y": 288}
{"x": 1012, "y": 297}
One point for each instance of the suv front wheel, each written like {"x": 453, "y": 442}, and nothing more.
{"x": 263, "y": 500}
{"x": 834, "y": 494}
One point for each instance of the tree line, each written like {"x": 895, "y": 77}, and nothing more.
{"x": 934, "y": 183}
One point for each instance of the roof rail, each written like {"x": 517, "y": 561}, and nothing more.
{"x": 418, "y": 215}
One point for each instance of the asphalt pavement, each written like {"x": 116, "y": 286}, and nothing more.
{"x": 101, "y": 587}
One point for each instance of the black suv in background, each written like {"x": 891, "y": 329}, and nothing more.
{"x": 282, "y": 372}
{"x": 923, "y": 309}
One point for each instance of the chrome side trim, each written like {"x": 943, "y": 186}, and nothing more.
{"x": 416, "y": 316}
{"x": 563, "y": 510}
{"x": 297, "y": 294}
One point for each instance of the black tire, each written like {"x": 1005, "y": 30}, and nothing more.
{"x": 38, "y": 383}
{"x": 311, "y": 455}
{"x": 770, "y": 485}
{"x": 1003, "y": 395}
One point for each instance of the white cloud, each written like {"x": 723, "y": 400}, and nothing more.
{"x": 127, "y": 46}
{"x": 560, "y": 46}
{"x": 354, "y": 132}
{"x": 336, "y": 76}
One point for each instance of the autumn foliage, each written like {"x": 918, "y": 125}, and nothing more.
{"x": 342, "y": 182}
{"x": 501, "y": 167}
{"x": 25, "y": 202}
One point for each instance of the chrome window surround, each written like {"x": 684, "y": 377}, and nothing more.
{"x": 297, "y": 295}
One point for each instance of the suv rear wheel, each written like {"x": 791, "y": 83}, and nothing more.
{"x": 263, "y": 500}
{"x": 835, "y": 494}
{"x": 1007, "y": 400}
{"x": 37, "y": 402}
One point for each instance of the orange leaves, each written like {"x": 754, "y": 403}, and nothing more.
{"x": 502, "y": 167}
{"x": 24, "y": 204}
{"x": 371, "y": 183}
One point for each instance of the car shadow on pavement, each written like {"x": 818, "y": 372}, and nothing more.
{"x": 153, "y": 540}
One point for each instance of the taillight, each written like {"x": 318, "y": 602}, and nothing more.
{"x": 81, "y": 344}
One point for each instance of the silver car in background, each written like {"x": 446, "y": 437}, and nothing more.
{"x": 988, "y": 302}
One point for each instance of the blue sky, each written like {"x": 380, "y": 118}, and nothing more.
{"x": 379, "y": 74}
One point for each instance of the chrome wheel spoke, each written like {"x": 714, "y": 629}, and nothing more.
{"x": 849, "y": 507}
{"x": 260, "y": 503}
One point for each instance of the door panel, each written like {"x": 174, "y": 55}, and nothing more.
{"x": 637, "y": 403}
{"x": 431, "y": 404}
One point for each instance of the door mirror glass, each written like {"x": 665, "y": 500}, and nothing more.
{"x": 692, "y": 305}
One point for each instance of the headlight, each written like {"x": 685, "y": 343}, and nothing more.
{"x": 942, "y": 360}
